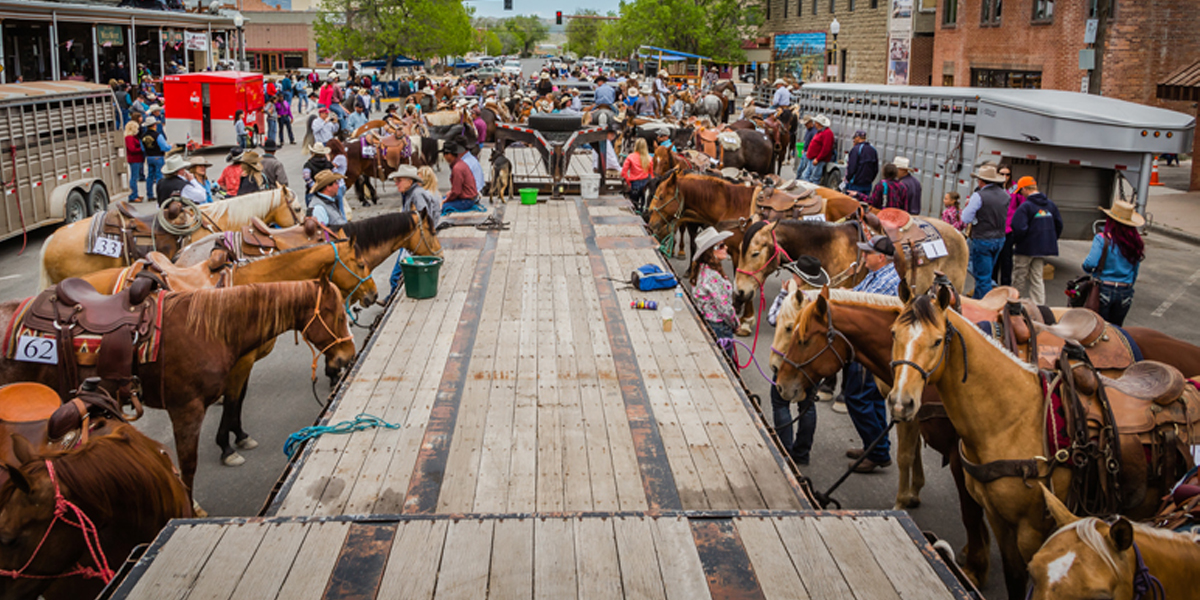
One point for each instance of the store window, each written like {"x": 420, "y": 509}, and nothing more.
{"x": 1000, "y": 78}
{"x": 1043, "y": 11}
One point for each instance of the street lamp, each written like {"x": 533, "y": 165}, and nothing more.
{"x": 834, "y": 28}
{"x": 239, "y": 21}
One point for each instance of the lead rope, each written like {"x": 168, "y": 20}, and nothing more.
{"x": 91, "y": 538}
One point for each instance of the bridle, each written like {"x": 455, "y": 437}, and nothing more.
{"x": 672, "y": 222}
{"x": 831, "y": 334}
{"x": 778, "y": 251}
{"x": 951, "y": 332}
{"x": 337, "y": 259}
{"x": 91, "y": 538}
{"x": 316, "y": 316}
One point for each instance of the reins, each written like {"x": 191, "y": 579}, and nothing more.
{"x": 91, "y": 538}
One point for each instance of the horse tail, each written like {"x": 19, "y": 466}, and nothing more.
{"x": 43, "y": 272}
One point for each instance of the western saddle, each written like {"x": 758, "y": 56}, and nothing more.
{"x": 36, "y": 412}
{"x": 775, "y": 203}
{"x": 138, "y": 232}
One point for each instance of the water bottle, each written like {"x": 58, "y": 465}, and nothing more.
{"x": 678, "y": 305}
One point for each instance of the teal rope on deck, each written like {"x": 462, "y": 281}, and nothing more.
{"x": 361, "y": 422}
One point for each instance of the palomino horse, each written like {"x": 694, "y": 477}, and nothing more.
{"x": 64, "y": 255}
{"x": 995, "y": 401}
{"x": 203, "y": 335}
{"x": 1090, "y": 558}
{"x": 125, "y": 485}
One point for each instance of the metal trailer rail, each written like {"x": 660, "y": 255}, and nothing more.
{"x": 60, "y": 153}
{"x": 556, "y": 151}
{"x": 1077, "y": 146}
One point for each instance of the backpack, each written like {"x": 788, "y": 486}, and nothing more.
{"x": 648, "y": 278}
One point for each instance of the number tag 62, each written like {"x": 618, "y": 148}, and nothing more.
{"x": 37, "y": 350}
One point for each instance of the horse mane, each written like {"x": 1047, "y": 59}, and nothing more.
{"x": 752, "y": 231}
{"x": 123, "y": 471}
{"x": 377, "y": 231}
{"x": 921, "y": 310}
{"x": 239, "y": 210}
{"x": 846, "y": 297}
{"x": 254, "y": 311}
{"x": 1088, "y": 532}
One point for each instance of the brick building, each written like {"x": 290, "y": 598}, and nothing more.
{"x": 1036, "y": 43}
{"x": 278, "y": 40}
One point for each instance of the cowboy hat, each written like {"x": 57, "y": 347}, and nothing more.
{"x": 198, "y": 161}
{"x": 150, "y": 121}
{"x": 632, "y": 92}
{"x": 408, "y": 171}
{"x": 318, "y": 148}
{"x": 779, "y": 82}
{"x": 324, "y": 178}
{"x": 809, "y": 270}
{"x": 880, "y": 244}
{"x": 452, "y": 148}
{"x": 234, "y": 153}
{"x": 822, "y": 120}
{"x": 707, "y": 239}
{"x": 900, "y": 162}
{"x": 988, "y": 173}
{"x": 1124, "y": 213}
{"x": 154, "y": 108}
{"x": 806, "y": 119}
{"x": 174, "y": 163}
{"x": 269, "y": 145}
{"x": 252, "y": 160}
{"x": 544, "y": 75}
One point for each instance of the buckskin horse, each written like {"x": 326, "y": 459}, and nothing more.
{"x": 64, "y": 253}
{"x": 203, "y": 334}
{"x": 117, "y": 491}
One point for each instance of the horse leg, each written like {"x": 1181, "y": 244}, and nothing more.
{"x": 186, "y": 420}
{"x": 231, "y": 413}
{"x": 908, "y": 450}
{"x": 371, "y": 188}
{"x": 1016, "y": 573}
{"x": 977, "y": 557}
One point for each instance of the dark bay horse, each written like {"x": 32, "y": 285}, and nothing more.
{"x": 123, "y": 482}
{"x": 204, "y": 334}
{"x": 360, "y": 171}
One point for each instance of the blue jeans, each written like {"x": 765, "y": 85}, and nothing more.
{"x": 862, "y": 189}
{"x": 272, "y": 129}
{"x": 341, "y": 114}
{"x": 802, "y": 165}
{"x": 395, "y": 278}
{"x": 154, "y": 165}
{"x": 867, "y": 409}
{"x": 799, "y": 445}
{"x": 722, "y": 331}
{"x": 1115, "y": 302}
{"x": 983, "y": 258}
{"x": 814, "y": 172}
{"x": 459, "y": 205}
{"x": 135, "y": 173}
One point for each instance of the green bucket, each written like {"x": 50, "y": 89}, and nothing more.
{"x": 421, "y": 275}
{"x": 528, "y": 195}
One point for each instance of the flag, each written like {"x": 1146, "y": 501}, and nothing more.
{"x": 69, "y": 44}
{"x": 106, "y": 45}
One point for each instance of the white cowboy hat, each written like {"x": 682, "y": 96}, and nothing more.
{"x": 779, "y": 82}
{"x": 632, "y": 92}
{"x": 174, "y": 163}
{"x": 472, "y": 103}
{"x": 198, "y": 161}
{"x": 1124, "y": 212}
{"x": 707, "y": 239}
{"x": 822, "y": 120}
{"x": 319, "y": 148}
{"x": 544, "y": 75}
{"x": 900, "y": 162}
{"x": 154, "y": 108}
{"x": 988, "y": 173}
{"x": 149, "y": 121}
{"x": 408, "y": 171}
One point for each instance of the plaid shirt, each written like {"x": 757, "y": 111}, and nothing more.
{"x": 883, "y": 281}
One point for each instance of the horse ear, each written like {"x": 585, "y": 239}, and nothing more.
{"x": 1120, "y": 534}
{"x": 1058, "y": 511}
{"x": 904, "y": 292}
{"x": 18, "y": 478}
{"x": 821, "y": 306}
{"x": 22, "y": 449}
{"x": 943, "y": 297}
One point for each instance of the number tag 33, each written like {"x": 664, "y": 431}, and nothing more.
{"x": 37, "y": 350}
{"x": 109, "y": 247}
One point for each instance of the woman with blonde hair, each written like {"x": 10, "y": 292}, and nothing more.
{"x": 636, "y": 172}
{"x": 429, "y": 180}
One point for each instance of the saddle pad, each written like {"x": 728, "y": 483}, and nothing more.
{"x": 730, "y": 141}
{"x": 1114, "y": 350}
{"x": 95, "y": 230}
{"x": 85, "y": 343}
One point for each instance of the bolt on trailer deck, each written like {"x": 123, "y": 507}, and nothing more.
{"x": 61, "y": 153}
{"x": 1077, "y": 146}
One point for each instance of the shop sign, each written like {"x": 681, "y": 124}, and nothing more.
{"x": 110, "y": 35}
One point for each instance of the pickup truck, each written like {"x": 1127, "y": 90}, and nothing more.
{"x": 341, "y": 67}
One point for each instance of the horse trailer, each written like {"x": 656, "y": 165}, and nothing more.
{"x": 61, "y": 153}
{"x": 1077, "y": 146}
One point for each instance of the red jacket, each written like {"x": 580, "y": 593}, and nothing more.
{"x": 133, "y": 150}
{"x": 821, "y": 147}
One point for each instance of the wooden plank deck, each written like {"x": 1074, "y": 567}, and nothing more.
{"x": 529, "y": 384}
{"x": 673, "y": 555}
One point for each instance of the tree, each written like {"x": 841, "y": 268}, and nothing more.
{"x": 492, "y": 44}
{"x": 526, "y": 32}
{"x": 713, "y": 28}
{"x": 367, "y": 29}
{"x": 583, "y": 35}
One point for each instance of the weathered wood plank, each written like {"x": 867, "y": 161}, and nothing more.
{"x": 175, "y": 568}
{"x": 554, "y": 559}
{"x": 414, "y": 562}
{"x": 512, "y": 560}
{"x": 467, "y": 554}
{"x": 640, "y": 572}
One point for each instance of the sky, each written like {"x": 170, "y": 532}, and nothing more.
{"x": 542, "y": 8}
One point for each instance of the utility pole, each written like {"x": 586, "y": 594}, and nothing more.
{"x": 1103, "y": 10}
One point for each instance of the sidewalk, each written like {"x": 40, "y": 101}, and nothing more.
{"x": 1173, "y": 211}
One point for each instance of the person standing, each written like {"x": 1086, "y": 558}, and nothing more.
{"x": 463, "y": 195}
{"x": 1115, "y": 257}
{"x": 912, "y": 186}
{"x": 888, "y": 193}
{"x": 154, "y": 146}
{"x": 272, "y": 168}
{"x": 810, "y": 130}
{"x": 323, "y": 207}
{"x": 637, "y": 171}
{"x": 951, "y": 211}
{"x": 1036, "y": 226}
{"x": 862, "y": 165}
{"x": 239, "y": 129}
{"x": 711, "y": 291}
{"x": 413, "y": 197}
{"x": 272, "y": 118}
{"x": 284, "y": 109}
{"x": 985, "y": 213}
{"x": 864, "y": 403}
{"x": 285, "y": 89}
{"x": 134, "y": 155}
{"x": 301, "y": 94}
{"x": 325, "y": 126}
{"x": 819, "y": 151}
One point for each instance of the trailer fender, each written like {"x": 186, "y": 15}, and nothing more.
{"x": 58, "y": 198}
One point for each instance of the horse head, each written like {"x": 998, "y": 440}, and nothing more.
{"x": 285, "y": 211}
{"x": 920, "y": 340}
{"x": 760, "y": 256}
{"x": 666, "y": 206}
{"x": 815, "y": 350}
{"x": 352, "y": 275}
{"x": 1084, "y": 556}
{"x": 328, "y": 328}
{"x": 425, "y": 242}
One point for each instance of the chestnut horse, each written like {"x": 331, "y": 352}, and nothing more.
{"x": 63, "y": 253}
{"x": 204, "y": 334}
{"x": 123, "y": 482}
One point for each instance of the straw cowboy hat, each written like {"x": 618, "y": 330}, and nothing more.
{"x": 149, "y": 121}
{"x": 988, "y": 173}
{"x": 900, "y": 162}
{"x": 324, "y": 179}
{"x": 822, "y": 120}
{"x": 707, "y": 239}
{"x": 198, "y": 161}
{"x": 252, "y": 160}
{"x": 317, "y": 148}
{"x": 173, "y": 164}
{"x": 544, "y": 75}
{"x": 779, "y": 82}
{"x": 806, "y": 119}
{"x": 1124, "y": 213}
{"x": 408, "y": 171}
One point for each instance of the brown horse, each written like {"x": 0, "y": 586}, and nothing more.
{"x": 360, "y": 170}
{"x": 125, "y": 485}
{"x": 1090, "y": 558}
{"x": 63, "y": 253}
{"x": 204, "y": 334}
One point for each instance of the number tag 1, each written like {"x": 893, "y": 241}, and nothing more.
{"x": 37, "y": 350}
{"x": 109, "y": 247}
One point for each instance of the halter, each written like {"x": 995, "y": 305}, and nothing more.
{"x": 672, "y": 222}
{"x": 778, "y": 251}
{"x": 951, "y": 332}
{"x": 91, "y": 537}
{"x": 316, "y": 316}
{"x": 337, "y": 258}
{"x": 831, "y": 334}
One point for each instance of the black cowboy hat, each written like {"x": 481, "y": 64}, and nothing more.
{"x": 601, "y": 79}
{"x": 269, "y": 145}
{"x": 452, "y": 148}
{"x": 809, "y": 269}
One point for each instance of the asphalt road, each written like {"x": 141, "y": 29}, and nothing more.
{"x": 281, "y": 401}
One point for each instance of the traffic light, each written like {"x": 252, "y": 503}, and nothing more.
{"x": 558, "y": 18}
{"x": 508, "y": 4}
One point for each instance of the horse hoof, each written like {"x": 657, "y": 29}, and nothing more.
{"x": 198, "y": 512}
{"x": 744, "y": 331}
{"x": 247, "y": 444}
{"x": 233, "y": 460}
{"x": 907, "y": 503}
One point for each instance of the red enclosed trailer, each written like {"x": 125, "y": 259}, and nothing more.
{"x": 200, "y": 106}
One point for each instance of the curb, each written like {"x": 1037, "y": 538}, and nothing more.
{"x": 1175, "y": 234}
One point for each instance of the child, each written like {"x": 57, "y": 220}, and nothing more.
{"x": 239, "y": 129}
{"x": 952, "y": 214}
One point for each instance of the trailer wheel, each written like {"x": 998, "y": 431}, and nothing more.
{"x": 75, "y": 208}
{"x": 832, "y": 178}
{"x": 97, "y": 199}
{"x": 555, "y": 122}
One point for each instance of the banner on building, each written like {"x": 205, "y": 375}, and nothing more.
{"x": 900, "y": 28}
{"x": 172, "y": 38}
{"x": 196, "y": 41}
{"x": 110, "y": 35}
{"x": 800, "y": 55}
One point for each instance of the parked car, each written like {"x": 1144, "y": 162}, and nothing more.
{"x": 512, "y": 67}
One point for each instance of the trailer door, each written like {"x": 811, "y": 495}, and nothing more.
{"x": 205, "y": 115}
{"x": 1078, "y": 191}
